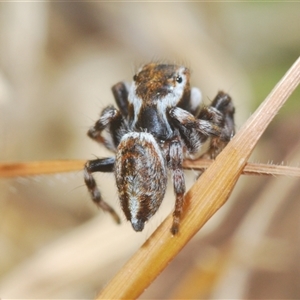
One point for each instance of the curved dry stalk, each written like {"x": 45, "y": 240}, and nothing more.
{"x": 206, "y": 196}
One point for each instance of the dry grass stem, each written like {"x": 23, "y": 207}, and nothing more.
{"x": 62, "y": 166}
{"x": 249, "y": 169}
{"x": 206, "y": 196}
{"x": 39, "y": 167}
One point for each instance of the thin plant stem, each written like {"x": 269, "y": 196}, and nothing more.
{"x": 33, "y": 168}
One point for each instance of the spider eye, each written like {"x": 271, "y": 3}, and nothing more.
{"x": 179, "y": 79}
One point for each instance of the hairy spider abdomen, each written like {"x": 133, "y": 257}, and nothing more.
{"x": 141, "y": 177}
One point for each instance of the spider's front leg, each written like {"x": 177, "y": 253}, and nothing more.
{"x": 174, "y": 160}
{"x": 194, "y": 132}
{"x": 215, "y": 122}
{"x": 111, "y": 119}
{"x": 99, "y": 165}
{"x": 120, "y": 92}
{"x": 223, "y": 104}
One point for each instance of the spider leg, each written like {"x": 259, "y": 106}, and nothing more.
{"x": 174, "y": 160}
{"x": 112, "y": 120}
{"x": 194, "y": 132}
{"x": 120, "y": 92}
{"x": 99, "y": 165}
{"x": 223, "y": 103}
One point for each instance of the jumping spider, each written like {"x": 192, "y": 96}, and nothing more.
{"x": 158, "y": 122}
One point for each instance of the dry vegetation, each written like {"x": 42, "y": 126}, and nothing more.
{"x": 58, "y": 62}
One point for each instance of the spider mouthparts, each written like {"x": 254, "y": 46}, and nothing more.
{"x": 138, "y": 225}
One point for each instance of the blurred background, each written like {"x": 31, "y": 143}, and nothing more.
{"x": 57, "y": 65}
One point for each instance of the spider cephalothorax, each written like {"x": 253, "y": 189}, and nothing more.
{"x": 158, "y": 122}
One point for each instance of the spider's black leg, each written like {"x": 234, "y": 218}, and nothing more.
{"x": 112, "y": 120}
{"x": 120, "y": 92}
{"x": 194, "y": 132}
{"x": 174, "y": 160}
{"x": 99, "y": 165}
{"x": 223, "y": 104}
